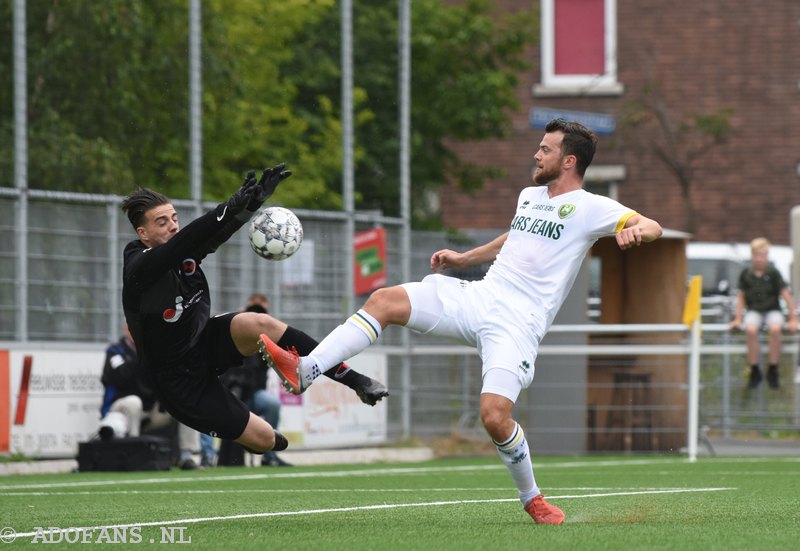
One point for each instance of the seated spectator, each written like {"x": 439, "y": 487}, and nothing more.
{"x": 760, "y": 288}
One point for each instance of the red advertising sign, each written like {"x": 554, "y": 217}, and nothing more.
{"x": 370, "y": 260}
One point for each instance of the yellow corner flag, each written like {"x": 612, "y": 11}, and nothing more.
{"x": 691, "y": 310}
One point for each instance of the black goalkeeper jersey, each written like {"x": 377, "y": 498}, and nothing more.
{"x": 165, "y": 294}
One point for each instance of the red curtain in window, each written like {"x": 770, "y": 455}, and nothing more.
{"x": 579, "y": 37}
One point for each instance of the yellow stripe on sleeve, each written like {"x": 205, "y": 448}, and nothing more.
{"x": 623, "y": 220}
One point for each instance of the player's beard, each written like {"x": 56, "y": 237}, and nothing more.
{"x": 545, "y": 177}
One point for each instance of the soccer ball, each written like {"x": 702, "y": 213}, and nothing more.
{"x": 275, "y": 233}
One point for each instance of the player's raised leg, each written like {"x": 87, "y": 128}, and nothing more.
{"x": 389, "y": 306}
{"x": 248, "y": 329}
{"x": 368, "y": 390}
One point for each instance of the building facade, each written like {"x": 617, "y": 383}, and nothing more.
{"x": 697, "y": 105}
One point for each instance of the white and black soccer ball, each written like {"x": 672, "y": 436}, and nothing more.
{"x": 275, "y": 233}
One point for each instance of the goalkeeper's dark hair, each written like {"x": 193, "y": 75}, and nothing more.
{"x": 578, "y": 141}
{"x": 139, "y": 202}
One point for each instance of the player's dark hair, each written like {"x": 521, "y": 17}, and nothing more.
{"x": 139, "y": 202}
{"x": 257, "y": 308}
{"x": 578, "y": 141}
{"x": 256, "y": 304}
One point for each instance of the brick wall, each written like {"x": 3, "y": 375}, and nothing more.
{"x": 701, "y": 56}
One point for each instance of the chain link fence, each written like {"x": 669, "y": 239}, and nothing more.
{"x": 584, "y": 399}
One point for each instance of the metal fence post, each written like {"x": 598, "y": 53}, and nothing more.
{"x": 726, "y": 386}
{"x": 21, "y": 168}
{"x": 694, "y": 390}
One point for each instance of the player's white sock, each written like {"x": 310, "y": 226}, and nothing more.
{"x": 517, "y": 458}
{"x": 357, "y": 333}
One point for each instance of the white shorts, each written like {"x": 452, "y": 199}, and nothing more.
{"x": 505, "y": 332}
{"x": 502, "y": 382}
{"x": 760, "y": 319}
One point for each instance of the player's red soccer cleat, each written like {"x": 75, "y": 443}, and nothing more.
{"x": 544, "y": 513}
{"x": 284, "y": 362}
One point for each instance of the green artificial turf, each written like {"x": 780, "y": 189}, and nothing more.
{"x": 610, "y": 503}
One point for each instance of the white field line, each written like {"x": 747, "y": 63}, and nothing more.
{"x": 384, "y": 472}
{"x": 260, "y": 476}
{"x": 294, "y": 491}
{"x": 676, "y": 461}
{"x": 349, "y": 509}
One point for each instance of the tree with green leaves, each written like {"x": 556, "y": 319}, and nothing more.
{"x": 108, "y": 95}
{"x": 677, "y": 139}
{"x": 465, "y": 63}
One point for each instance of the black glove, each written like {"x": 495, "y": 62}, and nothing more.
{"x": 270, "y": 178}
{"x": 241, "y": 199}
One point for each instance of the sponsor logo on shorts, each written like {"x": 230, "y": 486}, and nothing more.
{"x": 525, "y": 366}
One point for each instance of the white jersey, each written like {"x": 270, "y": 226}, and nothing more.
{"x": 546, "y": 244}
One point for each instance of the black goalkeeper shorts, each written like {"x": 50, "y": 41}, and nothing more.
{"x": 192, "y": 391}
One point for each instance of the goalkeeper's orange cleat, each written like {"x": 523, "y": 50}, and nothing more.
{"x": 286, "y": 363}
{"x": 544, "y": 513}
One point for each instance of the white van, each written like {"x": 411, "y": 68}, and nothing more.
{"x": 721, "y": 263}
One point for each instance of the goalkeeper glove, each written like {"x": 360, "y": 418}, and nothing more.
{"x": 263, "y": 190}
{"x": 252, "y": 194}
{"x": 241, "y": 199}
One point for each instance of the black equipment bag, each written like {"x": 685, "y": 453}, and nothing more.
{"x": 138, "y": 453}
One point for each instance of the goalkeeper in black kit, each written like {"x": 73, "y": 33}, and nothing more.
{"x": 167, "y": 307}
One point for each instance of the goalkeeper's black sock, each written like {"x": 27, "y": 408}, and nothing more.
{"x": 348, "y": 377}
{"x": 304, "y": 344}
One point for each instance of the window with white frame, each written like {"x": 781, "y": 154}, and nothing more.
{"x": 579, "y": 48}
{"x": 604, "y": 180}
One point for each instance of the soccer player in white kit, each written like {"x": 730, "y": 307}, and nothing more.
{"x": 507, "y": 313}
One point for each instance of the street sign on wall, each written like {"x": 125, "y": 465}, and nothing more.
{"x": 601, "y": 123}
